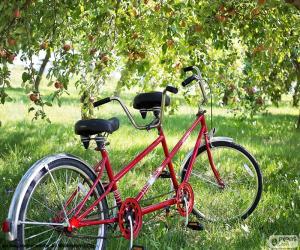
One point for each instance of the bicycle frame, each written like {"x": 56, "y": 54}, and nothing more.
{"x": 79, "y": 219}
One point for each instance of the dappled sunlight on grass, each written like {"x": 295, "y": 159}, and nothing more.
{"x": 271, "y": 138}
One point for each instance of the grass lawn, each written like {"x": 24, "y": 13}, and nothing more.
{"x": 271, "y": 138}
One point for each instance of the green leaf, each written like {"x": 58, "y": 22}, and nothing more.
{"x": 164, "y": 48}
{"x": 48, "y": 104}
{"x": 25, "y": 77}
{"x": 30, "y": 109}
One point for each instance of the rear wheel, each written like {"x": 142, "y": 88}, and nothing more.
{"x": 42, "y": 219}
{"x": 241, "y": 175}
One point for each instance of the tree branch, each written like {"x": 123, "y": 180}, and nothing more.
{"x": 41, "y": 71}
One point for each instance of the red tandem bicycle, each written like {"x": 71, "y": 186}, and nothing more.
{"x": 61, "y": 200}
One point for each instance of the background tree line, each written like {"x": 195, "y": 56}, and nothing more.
{"x": 249, "y": 50}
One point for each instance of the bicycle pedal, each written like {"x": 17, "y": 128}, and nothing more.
{"x": 165, "y": 174}
{"x": 136, "y": 247}
{"x": 195, "y": 225}
{"x": 167, "y": 211}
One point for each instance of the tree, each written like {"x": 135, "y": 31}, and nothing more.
{"x": 248, "y": 49}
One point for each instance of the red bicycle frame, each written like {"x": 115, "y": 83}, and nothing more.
{"x": 79, "y": 218}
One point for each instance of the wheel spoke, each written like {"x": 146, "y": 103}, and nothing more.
{"x": 200, "y": 176}
{"x": 48, "y": 208}
{"x": 35, "y": 235}
{"x": 59, "y": 196}
{"x": 49, "y": 240}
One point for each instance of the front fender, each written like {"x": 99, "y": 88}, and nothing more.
{"x": 218, "y": 138}
{"x": 15, "y": 205}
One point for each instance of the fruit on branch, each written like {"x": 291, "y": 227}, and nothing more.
{"x": 157, "y": 7}
{"x": 10, "y": 57}
{"x": 104, "y": 58}
{"x": 58, "y": 85}
{"x": 11, "y": 41}
{"x": 255, "y": 12}
{"x": 67, "y": 47}
{"x": 3, "y": 53}
{"x": 170, "y": 43}
{"x": 17, "y": 13}
{"x": 259, "y": 101}
{"x": 135, "y": 35}
{"x": 198, "y": 28}
{"x": 182, "y": 23}
{"x": 221, "y": 18}
{"x": 231, "y": 12}
{"x": 250, "y": 90}
{"x": 44, "y": 45}
{"x": 259, "y": 48}
{"x": 135, "y": 55}
{"x": 222, "y": 8}
{"x": 177, "y": 65}
{"x": 91, "y": 38}
{"x": 93, "y": 51}
{"x": 261, "y": 2}
{"x": 231, "y": 87}
{"x": 34, "y": 97}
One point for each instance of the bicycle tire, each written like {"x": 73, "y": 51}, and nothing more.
{"x": 88, "y": 178}
{"x": 207, "y": 198}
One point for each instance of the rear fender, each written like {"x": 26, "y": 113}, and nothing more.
{"x": 15, "y": 205}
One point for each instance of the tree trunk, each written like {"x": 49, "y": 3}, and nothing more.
{"x": 225, "y": 98}
{"x": 296, "y": 3}
{"x": 41, "y": 71}
{"x": 87, "y": 108}
{"x": 298, "y": 123}
{"x": 296, "y": 95}
{"x": 119, "y": 86}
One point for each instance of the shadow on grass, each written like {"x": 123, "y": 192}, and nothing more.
{"x": 273, "y": 138}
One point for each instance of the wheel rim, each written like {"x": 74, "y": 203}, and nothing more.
{"x": 241, "y": 185}
{"x": 44, "y": 205}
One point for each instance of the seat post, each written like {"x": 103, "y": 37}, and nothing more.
{"x": 101, "y": 142}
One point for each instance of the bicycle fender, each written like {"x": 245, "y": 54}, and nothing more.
{"x": 15, "y": 205}
{"x": 189, "y": 154}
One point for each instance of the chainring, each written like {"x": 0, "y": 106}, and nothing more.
{"x": 185, "y": 192}
{"x": 130, "y": 207}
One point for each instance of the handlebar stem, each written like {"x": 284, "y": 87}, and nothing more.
{"x": 200, "y": 81}
{"x": 149, "y": 126}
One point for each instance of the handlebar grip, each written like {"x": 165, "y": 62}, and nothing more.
{"x": 189, "y": 68}
{"x": 172, "y": 89}
{"x": 101, "y": 102}
{"x": 188, "y": 80}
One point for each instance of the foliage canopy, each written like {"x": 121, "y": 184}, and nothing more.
{"x": 249, "y": 50}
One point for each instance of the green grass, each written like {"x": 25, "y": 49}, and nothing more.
{"x": 271, "y": 138}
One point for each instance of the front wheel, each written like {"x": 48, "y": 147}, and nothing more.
{"x": 242, "y": 178}
{"x": 50, "y": 201}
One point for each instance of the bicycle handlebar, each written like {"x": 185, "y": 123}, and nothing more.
{"x": 172, "y": 89}
{"x": 101, "y": 102}
{"x": 188, "y": 80}
{"x": 189, "y": 68}
{"x": 197, "y": 77}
